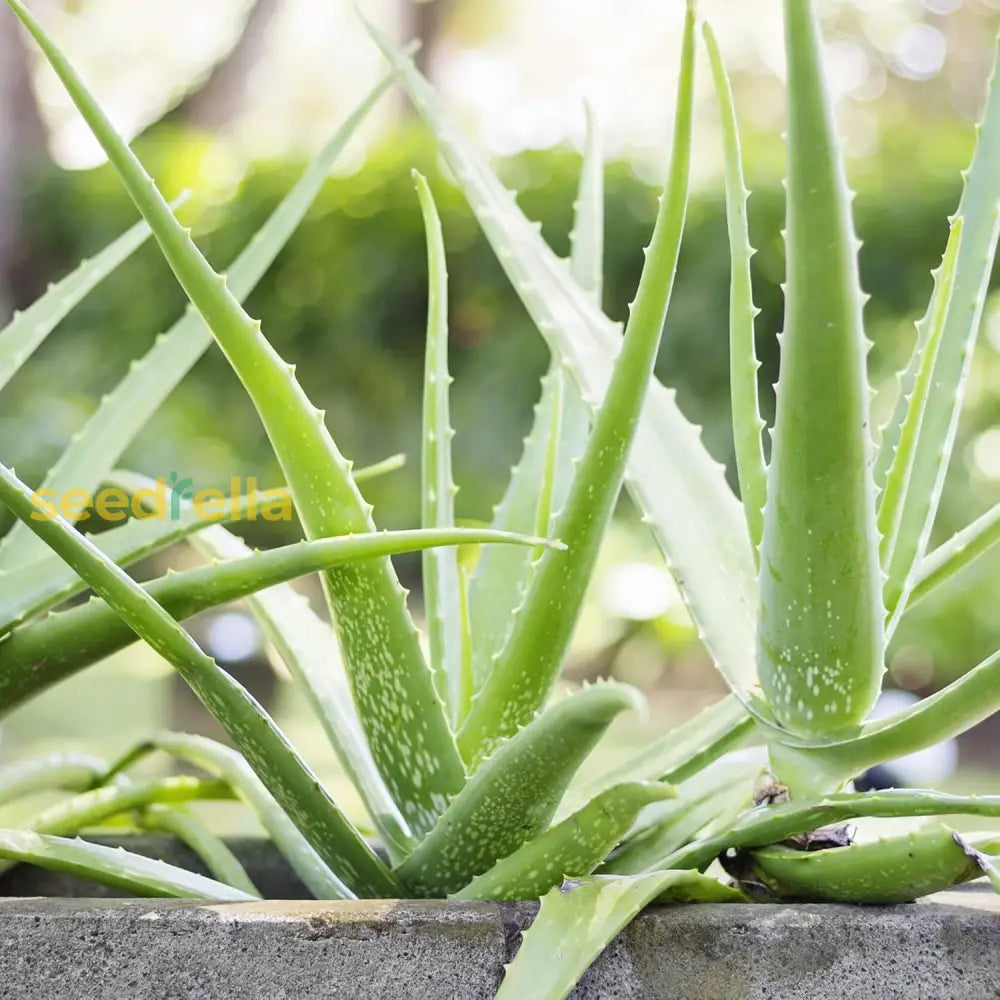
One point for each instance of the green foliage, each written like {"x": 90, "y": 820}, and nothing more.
{"x": 472, "y": 779}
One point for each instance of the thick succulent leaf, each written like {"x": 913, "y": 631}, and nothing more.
{"x": 917, "y": 473}
{"x": 892, "y": 870}
{"x": 93, "y": 807}
{"x": 228, "y": 765}
{"x": 770, "y": 824}
{"x": 986, "y": 856}
{"x": 47, "y": 581}
{"x": 514, "y": 794}
{"x": 952, "y": 556}
{"x": 113, "y": 867}
{"x": 675, "y": 756}
{"x": 570, "y": 849}
{"x": 712, "y": 798}
{"x": 576, "y": 923}
{"x": 309, "y": 649}
{"x": 965, "y": 702}
{"x": 540, "y": 481}
{"x": 42, "y": 653}
{"x": 532, "y": 657}
{"x": 389, "y": 676}
{"x": 441, "y": 580}
{"x": 898, "y": 481}
{"x": 122, "y": 413}
{"x": 24, "y": 333}
{"x": 267, "y": 751}
{"x": 820, "y": 636}
{"x": 682, "y": 492}
{"x": 72, "y": 772}
{"x": 748, "y": 426}
{"x": 218, "y": 859}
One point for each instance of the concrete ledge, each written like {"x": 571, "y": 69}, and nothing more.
{"x": 60, "y": 949}
{"x": 67, "y": 948}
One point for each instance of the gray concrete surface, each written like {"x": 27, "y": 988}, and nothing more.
{"x": 103, "y": 949}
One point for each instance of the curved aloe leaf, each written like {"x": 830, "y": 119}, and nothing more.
{"x": 677, "y": 755}
{"x": 114, "y": 867}
{"x": 227, "y": 764}
{"x": 441, "y": 579}
{"x": 309, "y": 649}
{"x": 709, "y": 800}
{"x": 820, "y": 638}
{"x": 264, "y": 745}
{"x": 572, "y": 848}
{"x": 20, "y": 337}
{"x": 966, "y": 701}
{"x": 99, "y": 804}
{"x": 577, "y": 922}
{"x": 986, "y": 855}
{"x": 218, "y": 859}
{"x": 891, "y": 870}
{"x": 952, "y": 556}
{"x": 529, "y": 663}
{"x": 743, "y": 364}
{"x": 680, "y": 489}
{"x": 124, "y": 411}
{"x": 932, "y": 416}
{"x": 514, "y": 794}
{"x": 540, "y": 481}
{"x": 72, "y": 772}
{"x": 388, "y": 674}
{"x": 898, "y": 480}
{"x": 41, "y": 654}
{"x": 47, "y": 580}
{"x": 770, "y": 824}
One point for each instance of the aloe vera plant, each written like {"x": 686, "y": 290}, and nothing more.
{"x": 473, "y": 782}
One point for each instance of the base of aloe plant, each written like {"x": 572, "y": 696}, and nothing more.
{"x": 99, "y": 949}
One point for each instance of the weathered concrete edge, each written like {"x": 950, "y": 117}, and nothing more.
{"x": 387, "y": 950}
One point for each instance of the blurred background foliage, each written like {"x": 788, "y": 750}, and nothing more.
{"x": 346, "y": 299}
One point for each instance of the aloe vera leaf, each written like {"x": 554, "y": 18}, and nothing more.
{"x": 512, "y": 797}
{"x": 440, "y": 569}
{"x": 892, "y": 870}
{"x": 576, "y": 923}
{"x": 572, "y": 848}
{"x": 959, "y": 706}
{"x": 218, "y": 859}
{"x": 309, "y": 649}
{"x": 897, "y": 483}
{"x": 389, "y": 677}
{"x": 24, "y": 333}
{"x": 124, "y": 411}
{"x": 113, "y": 867}
{"x": 98, "y": 804}
{"x": 696, "y": 519}
{"x": 678, "y": 754}
{"x": 743, "y": 364}
{"x": 770, "y": 824}
{"x": 932, "y": 416}
{"x": 224, "y": 762}
{"x": 72, "y": 772}
{"x": 381, "y": 468}
{"x": 952, "y": 556}
{"x": 986, "y": 855}
{"x": 281, "y": 769}
{"x": 42, "y": 653}
{"x": 820, "y": 636}
{"x": 557, "y": 438}
{"x": 711, "y": 799}
{"x": 47, "y": 581}
{"x": 529, "y": 663}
